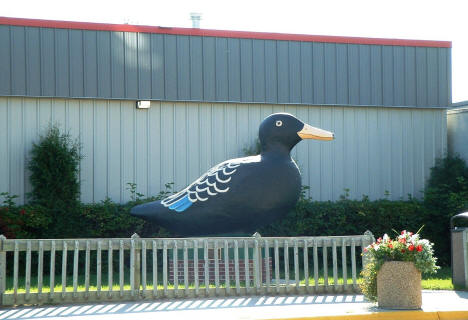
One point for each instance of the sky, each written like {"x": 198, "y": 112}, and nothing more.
{"x": 398, "y": 19}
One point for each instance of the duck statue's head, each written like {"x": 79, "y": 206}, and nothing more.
{"x": 280, "y": 132}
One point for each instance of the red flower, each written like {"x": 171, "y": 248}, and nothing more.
{"x": 379, "y": 240}
{"x": 419, "y": 248}
{"x": 390, "y": 246}
{"x": 402, "y": 250}
{"x": 402, "y": 240}
{"x": 403, "y": 232}
{"x": 411, "y": 248}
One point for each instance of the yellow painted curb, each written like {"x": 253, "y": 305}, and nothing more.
{"x": 394, "y": 315}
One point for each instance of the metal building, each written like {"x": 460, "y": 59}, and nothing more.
{"x": 385, "y": 100}
{"x": 457, "y": 129}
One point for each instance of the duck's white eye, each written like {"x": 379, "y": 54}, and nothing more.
{"x": 279, "y": 123}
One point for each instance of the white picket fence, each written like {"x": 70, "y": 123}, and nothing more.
{"x": 180, "y": 267}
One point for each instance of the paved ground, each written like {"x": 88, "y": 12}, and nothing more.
{"x": 309, "y": 306}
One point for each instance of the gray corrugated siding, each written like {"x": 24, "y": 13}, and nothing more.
{"x": 375, "y": 150}
{"x": 457, "y": 130}
{"x": 124, "y": 65}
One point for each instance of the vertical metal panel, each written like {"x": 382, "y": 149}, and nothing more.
{"x": 376, "y": 149}
{"x": 90, "y": 63}
{"x": 144, "y": 66}
{"x": 180, "y": 147}
{"x": 330, "y": 73}
{"x": 342, "y": 74}
{"x": 170, "y": 67}
{"x": 157, "y": 66}
{"x": 100, "y": 132}
{"x": 104, "y": 65}
{"x": 421, "y": 76}
{"x": 221, "y": 70}
{"x": 444, "y": 77}
{"x": 114, "y": 149}
{"x": 432, "y": 77}
{"x": 87, "y": 141}
{"x": 294, "y": 56}
{"x": 410, "y": 76}
{"x": 246, "y": 70}
{"x": 376, "y": 75}
{"x": 353, "y": 74}
{"x": 258, "y": 62}
{"x": 76, "y": 63}
{"x": 33, "y": 62}
{"x": 131, "y": 65}
{"x": 271, "y": 75}
{"x": 307, "y": 89}
{"x": 154, "y": 153}
{"x": 209, "y": 69}
{"x": 62, "y": 63}
{"x": 30, "y": 123}
{"x": 234, "y": 70}
{"x": 167, "y": 143}
{"x": 365, "y": 83}
{"x": 399, "y": 76}
{"x": 117, "y": 64}
{"x": 5, "y": 66}
{"x": 362, "y": 149}
{"x": 282, "y": 51}
{"x": 5, "y": 184}
{"x": 18, "y": 59}
{"x": 196, "y": 68}
{"x": 396, "y": 132}
{"x": 183, "y": 68}
{"x": 127, "y": 151}
{"x": 387, "y": 75}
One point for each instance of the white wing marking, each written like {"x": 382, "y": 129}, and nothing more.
{"x": 194, "y": 191}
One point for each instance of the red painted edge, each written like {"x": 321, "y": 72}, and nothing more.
{"x": 218, "y": 33}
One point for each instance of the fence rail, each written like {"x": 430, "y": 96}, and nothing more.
{"x": 38, "y": 271}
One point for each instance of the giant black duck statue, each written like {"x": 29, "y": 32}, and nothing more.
{"x": 239, "y": 195}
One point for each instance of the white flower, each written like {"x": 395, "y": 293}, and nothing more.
{"x": 386, "y": 238}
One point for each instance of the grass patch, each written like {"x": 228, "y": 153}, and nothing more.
{"x": 439, "y": 281}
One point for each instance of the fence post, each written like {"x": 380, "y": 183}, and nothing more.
{"x": 2, "y": 269}
{"x": 257, "y": 256}
{"x": 369, "y": 240}
{"x": 137, "y": 263}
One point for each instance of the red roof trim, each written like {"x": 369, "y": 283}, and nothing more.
{"x": 218, "y": 33}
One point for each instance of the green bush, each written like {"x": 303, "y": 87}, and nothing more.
{"x": 346, "y": 216}
{"x": 446, "y": 195}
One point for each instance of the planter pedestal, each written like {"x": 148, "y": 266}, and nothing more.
{"x": 399, "y": 286}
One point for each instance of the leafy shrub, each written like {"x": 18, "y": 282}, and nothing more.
{"x": 446, "y": 195}
{"x": 346, "y": 216}
{"x": 54, "y": 167}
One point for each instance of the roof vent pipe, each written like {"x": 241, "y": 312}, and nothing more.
{"x": 196, "y": 17}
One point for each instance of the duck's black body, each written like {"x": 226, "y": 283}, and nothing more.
{"x": 239, "y": 195}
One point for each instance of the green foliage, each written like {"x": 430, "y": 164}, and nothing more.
{"x": 254, "y": 149}
{"x": 446, "y": 195}
{"x": 346, "y": 216}
{"x": 54, "y": 167}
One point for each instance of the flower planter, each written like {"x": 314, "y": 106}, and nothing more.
{"x": 399, "y": 286}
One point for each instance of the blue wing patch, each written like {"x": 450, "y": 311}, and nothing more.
{"x": 208, "y": 185}
{"x": 181, "y": 204}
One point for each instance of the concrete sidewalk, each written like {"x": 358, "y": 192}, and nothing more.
{"x": 436, "y": 305}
